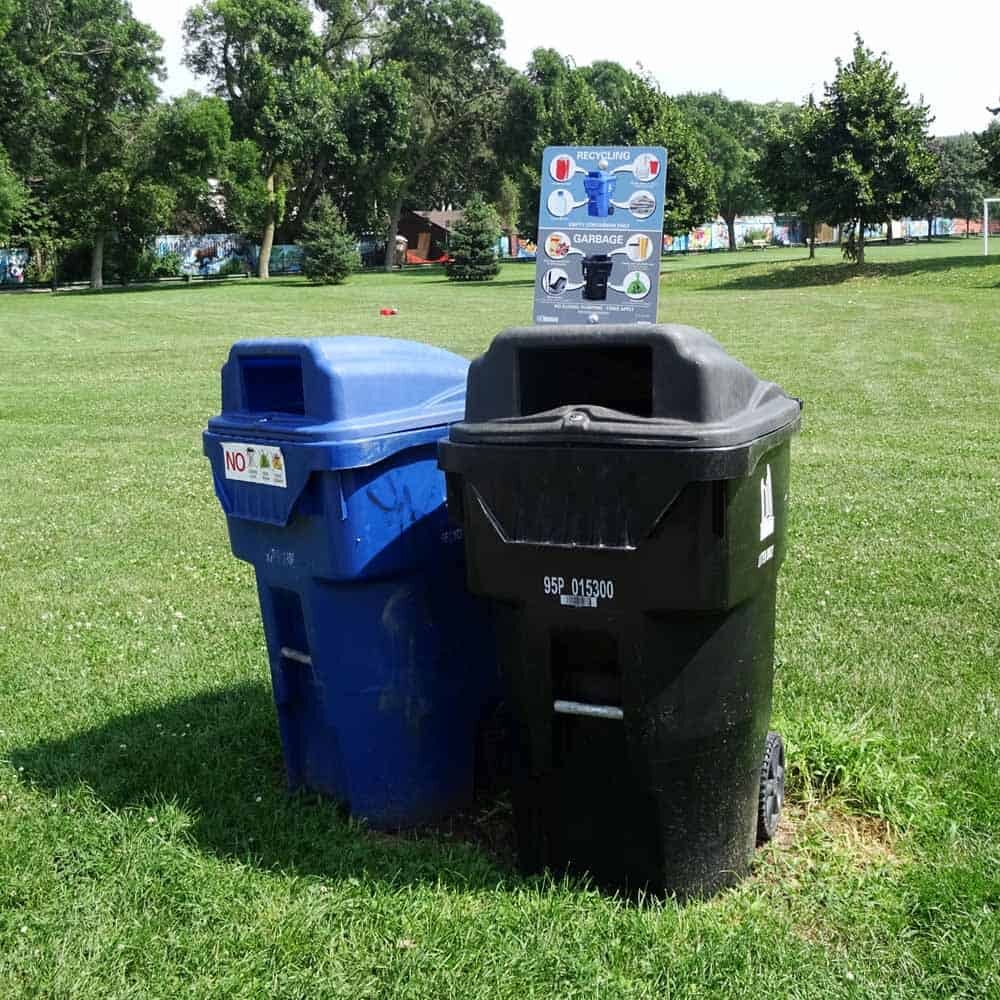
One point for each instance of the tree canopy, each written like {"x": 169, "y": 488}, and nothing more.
{"x": 734, "y": 135}
{"x": 873, "y": 158}
{"x": 373, "y": 106}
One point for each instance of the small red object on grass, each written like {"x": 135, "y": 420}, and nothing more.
{"x": 388, "y": 312}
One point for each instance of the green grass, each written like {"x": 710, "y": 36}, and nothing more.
{"x": 147, "y": 845}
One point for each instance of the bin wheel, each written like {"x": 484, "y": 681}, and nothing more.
{"x": 772, "y": 788}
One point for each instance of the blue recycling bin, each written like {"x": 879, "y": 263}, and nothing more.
{"x": 325, "y": 463}
{"x": 600, "y": 187}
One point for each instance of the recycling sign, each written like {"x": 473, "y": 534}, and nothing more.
{"x": 600, "y": 234}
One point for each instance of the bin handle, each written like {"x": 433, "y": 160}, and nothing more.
{"x": 591, "y": 711}
{"x": 293, "y": 654}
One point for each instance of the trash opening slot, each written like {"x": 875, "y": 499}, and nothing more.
{"x": 273, "y": 384}
{"x": 618, "y": 378}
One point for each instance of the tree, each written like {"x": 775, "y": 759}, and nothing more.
{"x": 734, "y": 133}
{"x": 873, "y": 159}
{"x": 989, "y": 147}
{"x": 12, "y": 194}
{"x": 474, "y": 243}
{"x": 262, "y": 57}
{"x": 556, "y": 103}
{"x": 508, "y": 208}
{"x": 449, "y": 52}
{"x": 638, "y": 113}
{"x": 958, "y": 190}
{"x": 361, "y": 167}
{"x": 74, "y": 72}
{"x": 786, "y": 168}
{"x": 330, "y": 252}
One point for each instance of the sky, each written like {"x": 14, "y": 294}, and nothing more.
{"x": 763, "y": 51}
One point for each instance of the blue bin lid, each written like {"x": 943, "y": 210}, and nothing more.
{"x": 332, "y": 390}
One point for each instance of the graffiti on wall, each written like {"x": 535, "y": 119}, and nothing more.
{"x": 226, "y": 253}
{"x": 209, "y": 254}
{"x": 286, "y": 258}
{"x": 13, "y": 266}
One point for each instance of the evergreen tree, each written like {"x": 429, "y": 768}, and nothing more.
{"x": 474, "y": 243}
{"x": 330, "y": 251}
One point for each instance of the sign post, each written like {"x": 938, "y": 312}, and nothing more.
{"x": 600, "y": 234}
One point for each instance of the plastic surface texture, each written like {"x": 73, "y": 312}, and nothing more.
{"x": 381, "y": 661}
{"x": 590, "y": 384}
{"x": 634, "y": 570}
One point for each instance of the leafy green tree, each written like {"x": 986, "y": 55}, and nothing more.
{"x": 786, "y": 167}
{"x": 638, "y": 113}
{"x": 958, "y": 190}
{"x": 989, "y": 147}
{"x": 330, "y": 251}
{"x": 75, "y": 74}
{"x": 550, "y": 104}
{"x": 12, "y": 194}
{"x": 508, "y": 208}
{"x": 450, "y": 54}
{"x": 474, "y": 243}
{"x": 874, "y": 158}
{"x": 734, "y": 134}
{"x": 361, "y": 165}
{"x": 262, "y": 56}
{"x": 556, "y": 103}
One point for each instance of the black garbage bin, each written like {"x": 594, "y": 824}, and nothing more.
{"x": 623, "y": 492}
{"x": 596, "y": 273}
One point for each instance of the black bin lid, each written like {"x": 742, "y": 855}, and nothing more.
{"x": 662, "y": 386}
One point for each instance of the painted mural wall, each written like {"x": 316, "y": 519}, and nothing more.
{"x": 13, "y": 266}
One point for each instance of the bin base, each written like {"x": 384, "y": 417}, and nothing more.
{"x": 658, "y": 791}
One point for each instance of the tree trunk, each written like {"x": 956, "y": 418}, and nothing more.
{"x": 731, "y": 226}
{"x": 812, "y": 240}
{"x": 930, "y": 227}
{"x": 861, "y": 242}
{"x": 888, "y": 232}
{"x": 390, "y": 240}
{"x": 97, "y": 263}
{"x": 264, "y": 263}
{"x": 967, "y": 221}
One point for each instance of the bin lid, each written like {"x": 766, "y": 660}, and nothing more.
{"x": 331, "y": 390}
{"x": 667, "y": 386}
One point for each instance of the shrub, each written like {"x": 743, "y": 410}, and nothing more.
{"x": 329, "y": 252}
{"x": 474, "y": 243}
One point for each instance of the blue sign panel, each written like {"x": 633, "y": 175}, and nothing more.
{"x": 600, "y": 234}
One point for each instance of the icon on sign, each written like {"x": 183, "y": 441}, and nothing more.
{"x": 562, "y": 168}
{"x": 646, "y": 167}
{"x": 636, "y": 285}
{"x": 561, "y": 203}
{"x": 554, "y": 281}
{"x": 558, "y": 246}
{"x": 642, "y": 204}
{"x": 639, "y": 248}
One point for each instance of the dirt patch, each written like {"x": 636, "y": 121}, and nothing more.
{"x": 813, "y": 836}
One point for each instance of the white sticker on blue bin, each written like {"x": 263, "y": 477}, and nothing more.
{"x": 254, "y": 463}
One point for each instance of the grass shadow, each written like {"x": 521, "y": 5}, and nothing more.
{"x": 804, "y": 275}
{"x": 218, "y": 758}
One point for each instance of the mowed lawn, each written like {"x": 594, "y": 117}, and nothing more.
{"x": 148, "y": 847}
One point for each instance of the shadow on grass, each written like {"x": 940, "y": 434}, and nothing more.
{"x": 218, "y": 757}
{"x": 799, "y": 274}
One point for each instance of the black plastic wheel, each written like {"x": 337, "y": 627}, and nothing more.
{"x": 771, "y": 796}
